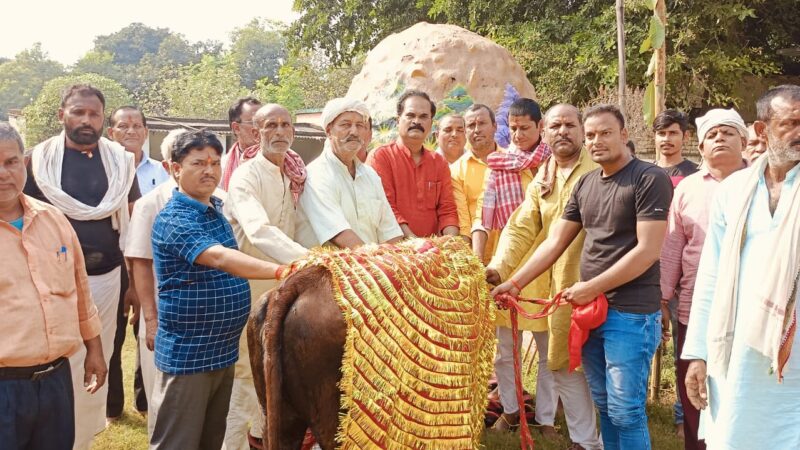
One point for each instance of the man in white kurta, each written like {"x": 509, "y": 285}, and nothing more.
{"x": 343, "y": 202}
{"x": 261, "y": 210}
{"x": 744, "y": 308}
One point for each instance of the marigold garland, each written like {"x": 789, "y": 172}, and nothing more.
{"x": 419, "y": 346}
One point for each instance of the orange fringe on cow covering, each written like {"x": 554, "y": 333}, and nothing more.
{"x": 419, "y": 347}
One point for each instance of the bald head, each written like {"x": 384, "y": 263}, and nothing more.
{"x": 275, "y": 129}
{"x": 270, "y": 110}
{"x": 563, "y": 109}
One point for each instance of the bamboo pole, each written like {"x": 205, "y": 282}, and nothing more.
{"x": 660, "y": 104}
{"x": 660, "y": 71}
{"x": 620, "y": 8}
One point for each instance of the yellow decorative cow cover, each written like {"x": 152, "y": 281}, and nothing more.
{"x": 420, "y": 341}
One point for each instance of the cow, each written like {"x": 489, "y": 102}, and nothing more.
{"x": 301, "y": 333}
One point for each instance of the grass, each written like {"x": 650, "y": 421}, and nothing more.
{"x": 130, "y": 432}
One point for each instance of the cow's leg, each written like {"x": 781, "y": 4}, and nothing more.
{"x": 314, "y": 335}
{"x": 292, "y": 429}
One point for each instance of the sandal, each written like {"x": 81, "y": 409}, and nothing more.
{"x": 504, "y": 425}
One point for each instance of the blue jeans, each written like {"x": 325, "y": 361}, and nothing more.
{"x": 616, "y": 359}
{"x": 677, "y": 408}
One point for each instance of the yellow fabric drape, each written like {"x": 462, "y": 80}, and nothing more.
{"x": 419, "y": 346}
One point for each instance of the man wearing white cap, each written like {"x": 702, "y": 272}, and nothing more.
{"x": 261, "y": 208}
{"x": 743, "y": 372}
{"x": 344, "y": 203}
{"x": 722, "y": 136}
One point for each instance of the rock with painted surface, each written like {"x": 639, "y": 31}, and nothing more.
{"x": 438, "y": 59}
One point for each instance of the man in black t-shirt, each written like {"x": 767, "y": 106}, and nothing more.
{"x": 92, "y": 181}
{"x": 623, "y": 208}
{"x": 671, "y": 130}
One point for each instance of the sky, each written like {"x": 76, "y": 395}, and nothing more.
{"x": 67, "y": 29}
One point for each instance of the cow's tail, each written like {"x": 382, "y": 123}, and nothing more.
{"x": 280, "y": 302}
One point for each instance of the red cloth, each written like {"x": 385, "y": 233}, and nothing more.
{"x": 504, "y": 191}
{"x": 295, "y": 169}
{"x": 421, "y": 195}
{"x": 585, "y": 318}
{"x": 235, "y": 155}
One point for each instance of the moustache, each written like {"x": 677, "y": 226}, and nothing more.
{"x": 416, "y": 127}
{"x": 85, "y": 128}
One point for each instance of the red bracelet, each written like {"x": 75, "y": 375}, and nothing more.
{"x": 279, "y": 271}
{"x": 514, "y": 283}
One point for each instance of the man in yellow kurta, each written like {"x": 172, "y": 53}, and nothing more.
{"x": 544, "y": 204}
{"x": 261, "y": 208}
{"x": 469, "y": 172}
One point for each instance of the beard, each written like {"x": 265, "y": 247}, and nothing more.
{"x": 79, "y": 138}
{"x": 782, "y": 152}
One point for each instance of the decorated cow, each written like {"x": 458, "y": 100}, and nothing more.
{"x": 383, "y": 347}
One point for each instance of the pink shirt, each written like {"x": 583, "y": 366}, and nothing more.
{"x": 46, "y": 307}
{"x": 686, "y": 231}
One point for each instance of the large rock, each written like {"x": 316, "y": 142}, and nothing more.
{"x": 436, "y": 59}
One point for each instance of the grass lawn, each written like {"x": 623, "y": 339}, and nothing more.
{"x": 130, "y": 432}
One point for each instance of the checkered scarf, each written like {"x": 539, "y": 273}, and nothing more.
{"x": 235, "y": 156}
{"x": 504, "y": 191}
{"x": 295, "y": 169}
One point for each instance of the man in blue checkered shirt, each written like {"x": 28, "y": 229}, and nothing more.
{"x": 203, "y": 302}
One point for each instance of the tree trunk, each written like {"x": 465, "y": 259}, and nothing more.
{"x": 621, "y": 52}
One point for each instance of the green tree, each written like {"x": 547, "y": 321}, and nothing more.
{"x": 346, "y": 29}
{"x": 130, "y": 44}
{"x": 258, "y": 49}
{"x": 205, "y": 90}
{"x": 41, "y": 116}
{"x": 569, "y": 49}
{"x": 100, "y": 63}
{"x": 308, "y": 80}
{"x": 22, "y": 78}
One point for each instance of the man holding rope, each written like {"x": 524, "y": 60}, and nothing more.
{"x": 623, "y": 208}
{"x": 544, "y": 204}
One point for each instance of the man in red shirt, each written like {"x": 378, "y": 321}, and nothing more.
{"x": 416, "y": 180}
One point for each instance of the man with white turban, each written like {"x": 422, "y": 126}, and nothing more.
{"x": 722, "y": 137}
{"x": 261, "y": 208}
{"x": 742, "y": 371}
{"x": 344, "y": 202}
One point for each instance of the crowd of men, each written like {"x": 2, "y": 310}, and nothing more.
{"x": 95, "y": 235}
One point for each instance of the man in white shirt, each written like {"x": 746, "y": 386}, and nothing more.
{"x": 261, "y": 207}
{"x": 343, "y": 202}
{"x": 128, "y": 127}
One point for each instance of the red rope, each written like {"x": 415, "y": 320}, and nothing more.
{"x": 512, "y": 303}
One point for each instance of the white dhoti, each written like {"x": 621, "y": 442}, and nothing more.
{"x": 572, "y": 388}
{"x": 147, "y": 362}
{"x": 90, "y": 409}
{"x": 245, "y": 413}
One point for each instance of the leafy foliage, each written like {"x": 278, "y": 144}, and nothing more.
{"x": 130, "y": 44}
{"x": 568, "y": 48}
{"x": 308, "y": 80}
{"x": 22, "y": 78}
{"x": 205, "y": 89}
{"x": 258, "y": 49}
{"x": 345, "y": 29}
{"x": 41, "y": 119}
